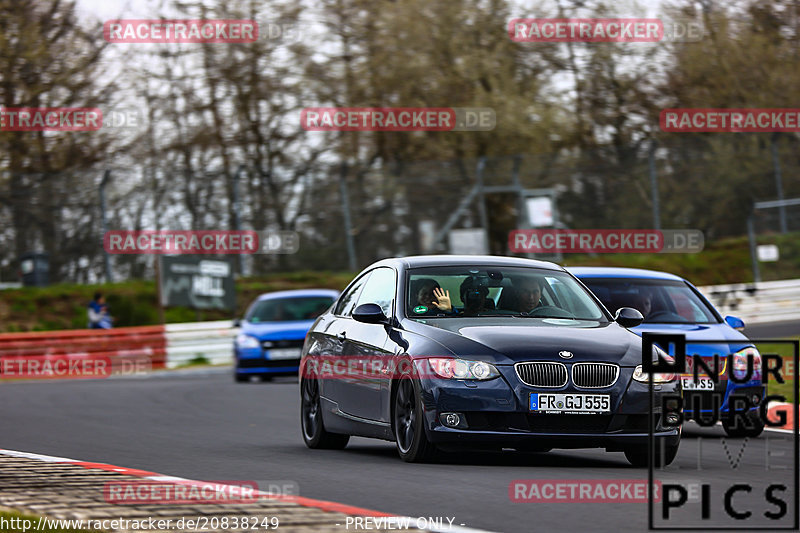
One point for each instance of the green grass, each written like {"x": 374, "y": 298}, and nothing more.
{"x": 785, "y": 389}
{"x": 133, "y": 303}
{"x": 6, "y": 518}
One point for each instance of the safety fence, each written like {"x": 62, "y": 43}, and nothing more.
{"x": 120, "y": 349}
{"x": 757, "y": 303}
{"x": 175, "y": 345}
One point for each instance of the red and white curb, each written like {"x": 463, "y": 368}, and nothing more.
{"x": 394, "y": 520}
{"x": 787, "y": 408}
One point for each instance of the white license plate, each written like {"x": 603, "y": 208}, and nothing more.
{"x": 701, "y": 384}
{"x": 284, "y": 353}
{"x": 570, "y": 403}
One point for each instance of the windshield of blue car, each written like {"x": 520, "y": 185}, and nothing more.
{"x": 659, "y": 301}
{"x": 442, "y": 292}
{"x": 288, "y": 309}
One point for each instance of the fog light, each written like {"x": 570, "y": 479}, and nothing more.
{"x": 453, "y": 420}
{"x": 672, "y": 419}
{"x": 756, "y": 399}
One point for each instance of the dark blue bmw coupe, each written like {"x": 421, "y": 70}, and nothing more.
{"x": 442, "y": 352}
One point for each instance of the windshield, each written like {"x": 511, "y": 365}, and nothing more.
{"x": 502, "y": 291}
{"x": 288, "y": 309}
{"x": 659, "y": 301}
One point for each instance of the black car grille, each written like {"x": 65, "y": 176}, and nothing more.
{"x": 594, "y": 375}
{"x": 283, "y": 344}
{"x": 553, "y": 375}
{"x": 266, "y": 363}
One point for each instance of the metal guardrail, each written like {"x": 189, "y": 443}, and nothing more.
{"x": 767, "y": 301}
{"x": 145, "y": 344}
{"x": 212, "y": 341}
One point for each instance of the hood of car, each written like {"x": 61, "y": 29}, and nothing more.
{"x": 277, "y": 330}
{"x": 729, "y": 339}
{"x": 512, "y": 340}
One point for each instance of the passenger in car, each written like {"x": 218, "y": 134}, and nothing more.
{"x": 431, "y": 295}
{"x": 475, "y": 295}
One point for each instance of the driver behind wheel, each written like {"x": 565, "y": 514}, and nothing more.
{"x": 529, "y": 291}
{"x": 644, "y": 303}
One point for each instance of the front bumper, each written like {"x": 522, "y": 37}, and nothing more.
{"x": 708, "y": 403}
{"x": 255, "y": 361}
{"x": 495, "y": 413}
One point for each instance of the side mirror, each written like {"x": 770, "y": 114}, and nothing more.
{"x": 237, "y": 323}
{"x": 370, "y": 314}
{"x": 735, "y": 322}
{"x": 628, "y": 317}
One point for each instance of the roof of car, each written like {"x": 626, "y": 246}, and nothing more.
{"x": 417, "y": 261}
{"x": 618, "y": 272}
{"x": 298, "y": 293}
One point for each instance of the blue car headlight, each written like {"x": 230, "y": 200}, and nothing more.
{"x": 740, "y": 362}
{"x": 244, "y": 341}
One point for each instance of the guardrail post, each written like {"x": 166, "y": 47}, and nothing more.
{"x": 751, "y": 237}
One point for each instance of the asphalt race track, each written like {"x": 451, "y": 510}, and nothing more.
{"x": 200, "y": 424}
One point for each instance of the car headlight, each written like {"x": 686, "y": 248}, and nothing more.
{"x": 246, "y": 341}
{"x": 659, "y": 377}
{"x": 449, "y": 368}
{"x": 740, "y": 359}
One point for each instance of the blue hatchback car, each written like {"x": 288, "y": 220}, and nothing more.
{"x": 670, "y": 304}
{"x": 273, "y": 331}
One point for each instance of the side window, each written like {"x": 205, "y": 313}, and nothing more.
{"x": 380, "y": 289}
{"x": 348, "y": 300}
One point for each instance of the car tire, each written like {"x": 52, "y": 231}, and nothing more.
{"x": 311, "y": 425}
{"x": 241, "y": 378}
{"x": 755, "y": 429}
{"x": 638, "y": 457}
{"x": 408, "y": 423}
